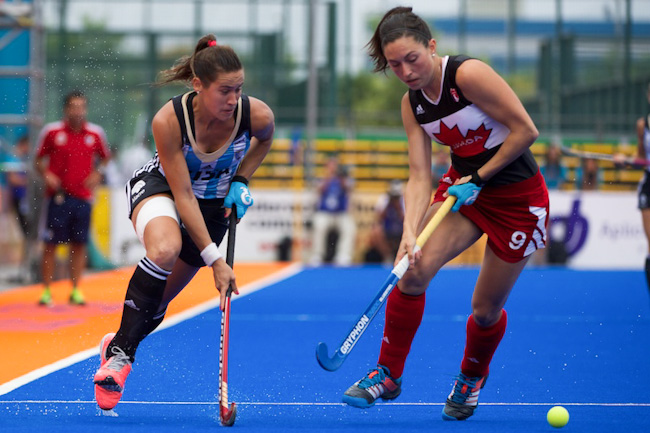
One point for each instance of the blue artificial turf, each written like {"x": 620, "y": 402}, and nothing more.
{"x": 578, "y": 338}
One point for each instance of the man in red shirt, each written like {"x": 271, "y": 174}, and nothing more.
{"x": 76, "y": 153}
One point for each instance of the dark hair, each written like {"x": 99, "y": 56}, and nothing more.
{"x": 72, "y": 95}
{"x": 396, "y": 23}
{"x": 208, "y": 61}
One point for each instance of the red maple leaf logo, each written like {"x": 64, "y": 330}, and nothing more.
{"x": 463, "y": 145}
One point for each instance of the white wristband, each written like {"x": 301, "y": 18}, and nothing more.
{"x": 211, "y": 254}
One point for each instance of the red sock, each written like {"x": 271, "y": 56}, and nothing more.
{"x": 403, "y": 317}
{"x": 481, "y": 345}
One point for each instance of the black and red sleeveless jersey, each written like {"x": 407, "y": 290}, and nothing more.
{"x": 473, "y": 136}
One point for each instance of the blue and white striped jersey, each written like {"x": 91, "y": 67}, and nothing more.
{"x": 210, "y": 173}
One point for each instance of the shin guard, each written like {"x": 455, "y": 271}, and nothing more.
{"x": 403, "y": 317}
{"x": 140, "y": 313}
{"x": 481, "y": 345}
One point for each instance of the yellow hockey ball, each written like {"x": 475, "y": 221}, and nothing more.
{"x": 557, "y": 416}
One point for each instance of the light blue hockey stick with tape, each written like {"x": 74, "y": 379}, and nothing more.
{"x": 360, "y": 326}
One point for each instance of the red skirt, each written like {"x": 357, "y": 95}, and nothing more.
{"x": 514, "y": 217}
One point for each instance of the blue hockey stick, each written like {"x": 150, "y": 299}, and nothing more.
{"x": 360, "y": 326}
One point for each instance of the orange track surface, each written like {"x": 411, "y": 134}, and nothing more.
{"x": 38, "y": 336}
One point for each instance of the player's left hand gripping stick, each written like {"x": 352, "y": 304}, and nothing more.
{"x": 227, "y": 414}
{"x": 360, "y": 326}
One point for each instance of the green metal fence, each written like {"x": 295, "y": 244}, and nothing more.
{"x": 571, "y": 84}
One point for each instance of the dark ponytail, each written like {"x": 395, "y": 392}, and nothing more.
{"x": 208, "y": 61}
{"x": 396, "y": 23}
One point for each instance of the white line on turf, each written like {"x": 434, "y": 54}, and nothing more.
{"x": 264, "y": 403}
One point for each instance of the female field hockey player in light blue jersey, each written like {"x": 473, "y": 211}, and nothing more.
{"x": 209, "y": 142}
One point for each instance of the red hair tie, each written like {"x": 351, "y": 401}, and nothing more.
{"x": 212, "y": 44}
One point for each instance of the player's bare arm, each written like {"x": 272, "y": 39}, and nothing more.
{"x": 640, "y": 125}
{"x": 417, "y": 195}
{"x": 485, "y": 88}
{"x": 51, "y": 180}
{"x": 263, "y": 127}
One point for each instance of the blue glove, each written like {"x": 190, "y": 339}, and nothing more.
{"x": 466, "y": 194}
{"x": 240, "y": 196}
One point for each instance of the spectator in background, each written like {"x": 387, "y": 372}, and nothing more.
{"x": 71, "y": 156}
{"x": 386, "y": 231}
{"x": 333, "y": 214}
{"x": 16, "y": 170}
{"x": 588, "y": 175}
{"x": 553, "y": 170}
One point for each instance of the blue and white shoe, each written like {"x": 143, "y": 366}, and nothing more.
{"x": 463, "y": 399}
{"x": 376, "y": 384}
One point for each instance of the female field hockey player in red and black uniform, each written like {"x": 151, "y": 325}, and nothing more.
{"x": 464, "y": 104}
{"x": 209, "y": 142}
{"x": 643, "y": 189}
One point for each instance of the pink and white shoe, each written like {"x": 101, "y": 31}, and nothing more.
{"x": 111, "y": 376}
